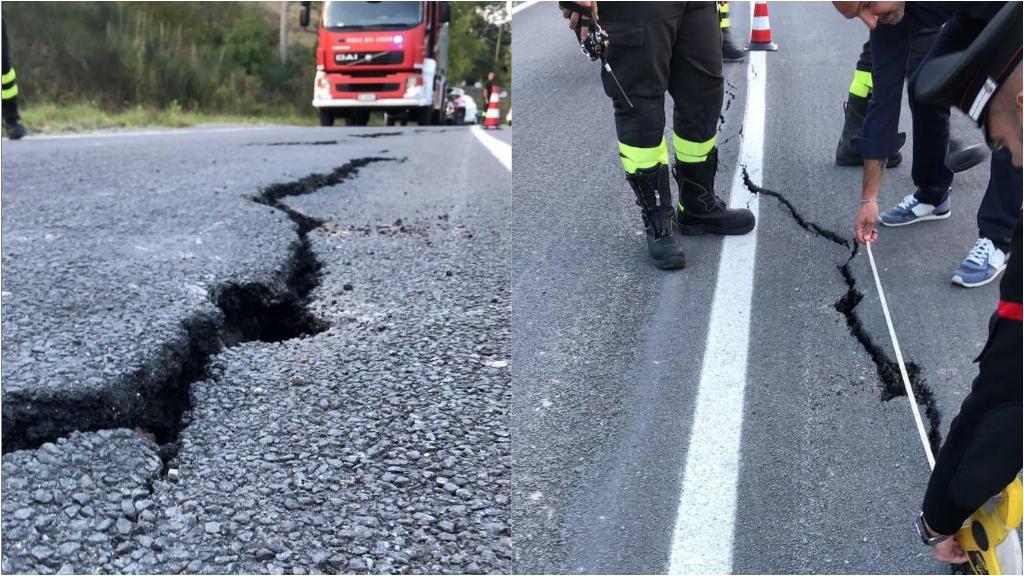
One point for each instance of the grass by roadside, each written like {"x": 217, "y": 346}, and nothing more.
{"x": 55, "y": 119}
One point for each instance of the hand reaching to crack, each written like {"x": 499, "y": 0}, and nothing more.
{"x": 864, "y": 222}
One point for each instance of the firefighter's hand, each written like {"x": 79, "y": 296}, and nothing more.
{"x": 864, "y": 223}
{"x": 949, "y": 551}
{"x": 574, "y": 17}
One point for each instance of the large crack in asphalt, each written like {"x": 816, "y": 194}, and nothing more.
{"x": 308, "y": 143}
{"x": 887, "y": 368}
{"x": 155, "y": 400}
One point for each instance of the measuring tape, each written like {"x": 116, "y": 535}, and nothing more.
{"x": 989, "y": 536}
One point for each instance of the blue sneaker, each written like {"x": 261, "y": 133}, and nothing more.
{"x": 982, "y": 265}
{"x": 911, "y": 210}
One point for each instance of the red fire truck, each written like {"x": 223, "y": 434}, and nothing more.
{"x": 390, "y": 56}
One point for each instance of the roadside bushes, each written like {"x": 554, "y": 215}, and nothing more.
{"x": 208, "y": 56}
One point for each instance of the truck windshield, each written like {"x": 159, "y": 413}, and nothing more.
{"x": 372, "y": 15}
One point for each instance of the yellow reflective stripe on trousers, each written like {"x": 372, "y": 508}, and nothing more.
{"x": 634, "y": 158}
{"x": 9, "y": 77}
{"x": 692, "y": 152}
{"x": 9, "y": 93}
{"x": 861, "y": 85}
{"x": 723, "y": 15}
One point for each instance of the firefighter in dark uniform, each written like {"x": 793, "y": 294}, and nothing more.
{"x": 12, "y": 121}
{"x": 675, "y": 47}
{"x": 730, "y": 52}
{"x": 856, "y": 106}
{"x": 982, "y": 452}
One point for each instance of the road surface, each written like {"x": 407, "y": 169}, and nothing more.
{"x": 272, "y": 350}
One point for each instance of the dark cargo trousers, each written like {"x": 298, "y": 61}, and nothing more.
{"x": 10, "y": 84}
{"x": 673, "y": 47}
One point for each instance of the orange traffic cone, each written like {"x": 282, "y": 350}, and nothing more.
{"x": 761, "y": 30}
{"x": 493, "y": 119}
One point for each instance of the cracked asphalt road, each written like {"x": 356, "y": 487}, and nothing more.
{"x": 609, "y": 350}
{"x": 378, "y": 445}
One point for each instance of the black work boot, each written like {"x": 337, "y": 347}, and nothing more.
{"x": 15, "y": 131}
{"x": 654, "y": 196}
{"x": 730, "y": 52}
{"x": 856, "y": 109}
{"x": 700, "y": 209}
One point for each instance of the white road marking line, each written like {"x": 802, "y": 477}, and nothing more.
{"x": 501, "y": 150}
{"x": 703, "y": 539}
{"x": 520, "y": 7}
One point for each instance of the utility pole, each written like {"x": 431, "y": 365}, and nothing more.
{"x": 501, "y": 26}
{"x": 282, "y": 36}
{"x": 497, "y": 47}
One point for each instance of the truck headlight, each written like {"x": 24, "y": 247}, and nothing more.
{"x": 412, "y": 87}
{"x": 322, "y": 85}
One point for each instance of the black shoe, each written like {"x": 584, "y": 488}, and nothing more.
{"x": 654, "y": 196}
{"x": 700, "y": 209}
{"x": 15, "y": 131}
{"x": 730, "y": 52}
{"x": 960, "y": 157}
{"x": 856, "y": 108}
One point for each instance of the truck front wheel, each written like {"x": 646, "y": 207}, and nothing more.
{"x": 326, "y": 117}
{"x": 358, "y": 118}
{"x": 425, "y": 116}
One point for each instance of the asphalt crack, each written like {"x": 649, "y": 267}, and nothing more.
{"x": 887, "y": 368}
{"x": 155, "y": 399}
{"x": 312, "y": 143}
{"x": 377, "y": 134}
{"x": 729, "y": 97}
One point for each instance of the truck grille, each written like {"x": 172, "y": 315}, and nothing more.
{"x": 375, "y": 58}
{"x": 389, "y": 87}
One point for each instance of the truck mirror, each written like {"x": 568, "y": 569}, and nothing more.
{"x": 446, "y": 12}
{"x": 304, "y": 15}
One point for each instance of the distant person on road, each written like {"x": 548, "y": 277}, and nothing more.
{"x": 12, "y": 121}
{"x": 488, "y": 88}
{"x": 982, "y": 452}
{"x": 658, "y": 47}
{"x": 893, "y": 25}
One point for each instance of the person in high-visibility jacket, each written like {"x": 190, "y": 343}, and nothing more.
{"x": 675, "y": 47}
{"x": 12, "y": 121}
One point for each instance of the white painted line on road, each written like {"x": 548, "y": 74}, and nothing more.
{"x": 170, "y": 131}
{"x": 523, "y": 6}
{"x": 702, "y": 542}
{"x": 501, "y": 150}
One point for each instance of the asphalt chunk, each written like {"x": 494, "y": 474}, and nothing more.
{"x": 64, "y": 505}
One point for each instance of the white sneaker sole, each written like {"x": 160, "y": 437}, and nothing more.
{"x": 960, "y": 282}
{"x": 918, "y": 219}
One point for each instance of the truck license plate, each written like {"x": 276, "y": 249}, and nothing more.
{"x": 366, "y": 97}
